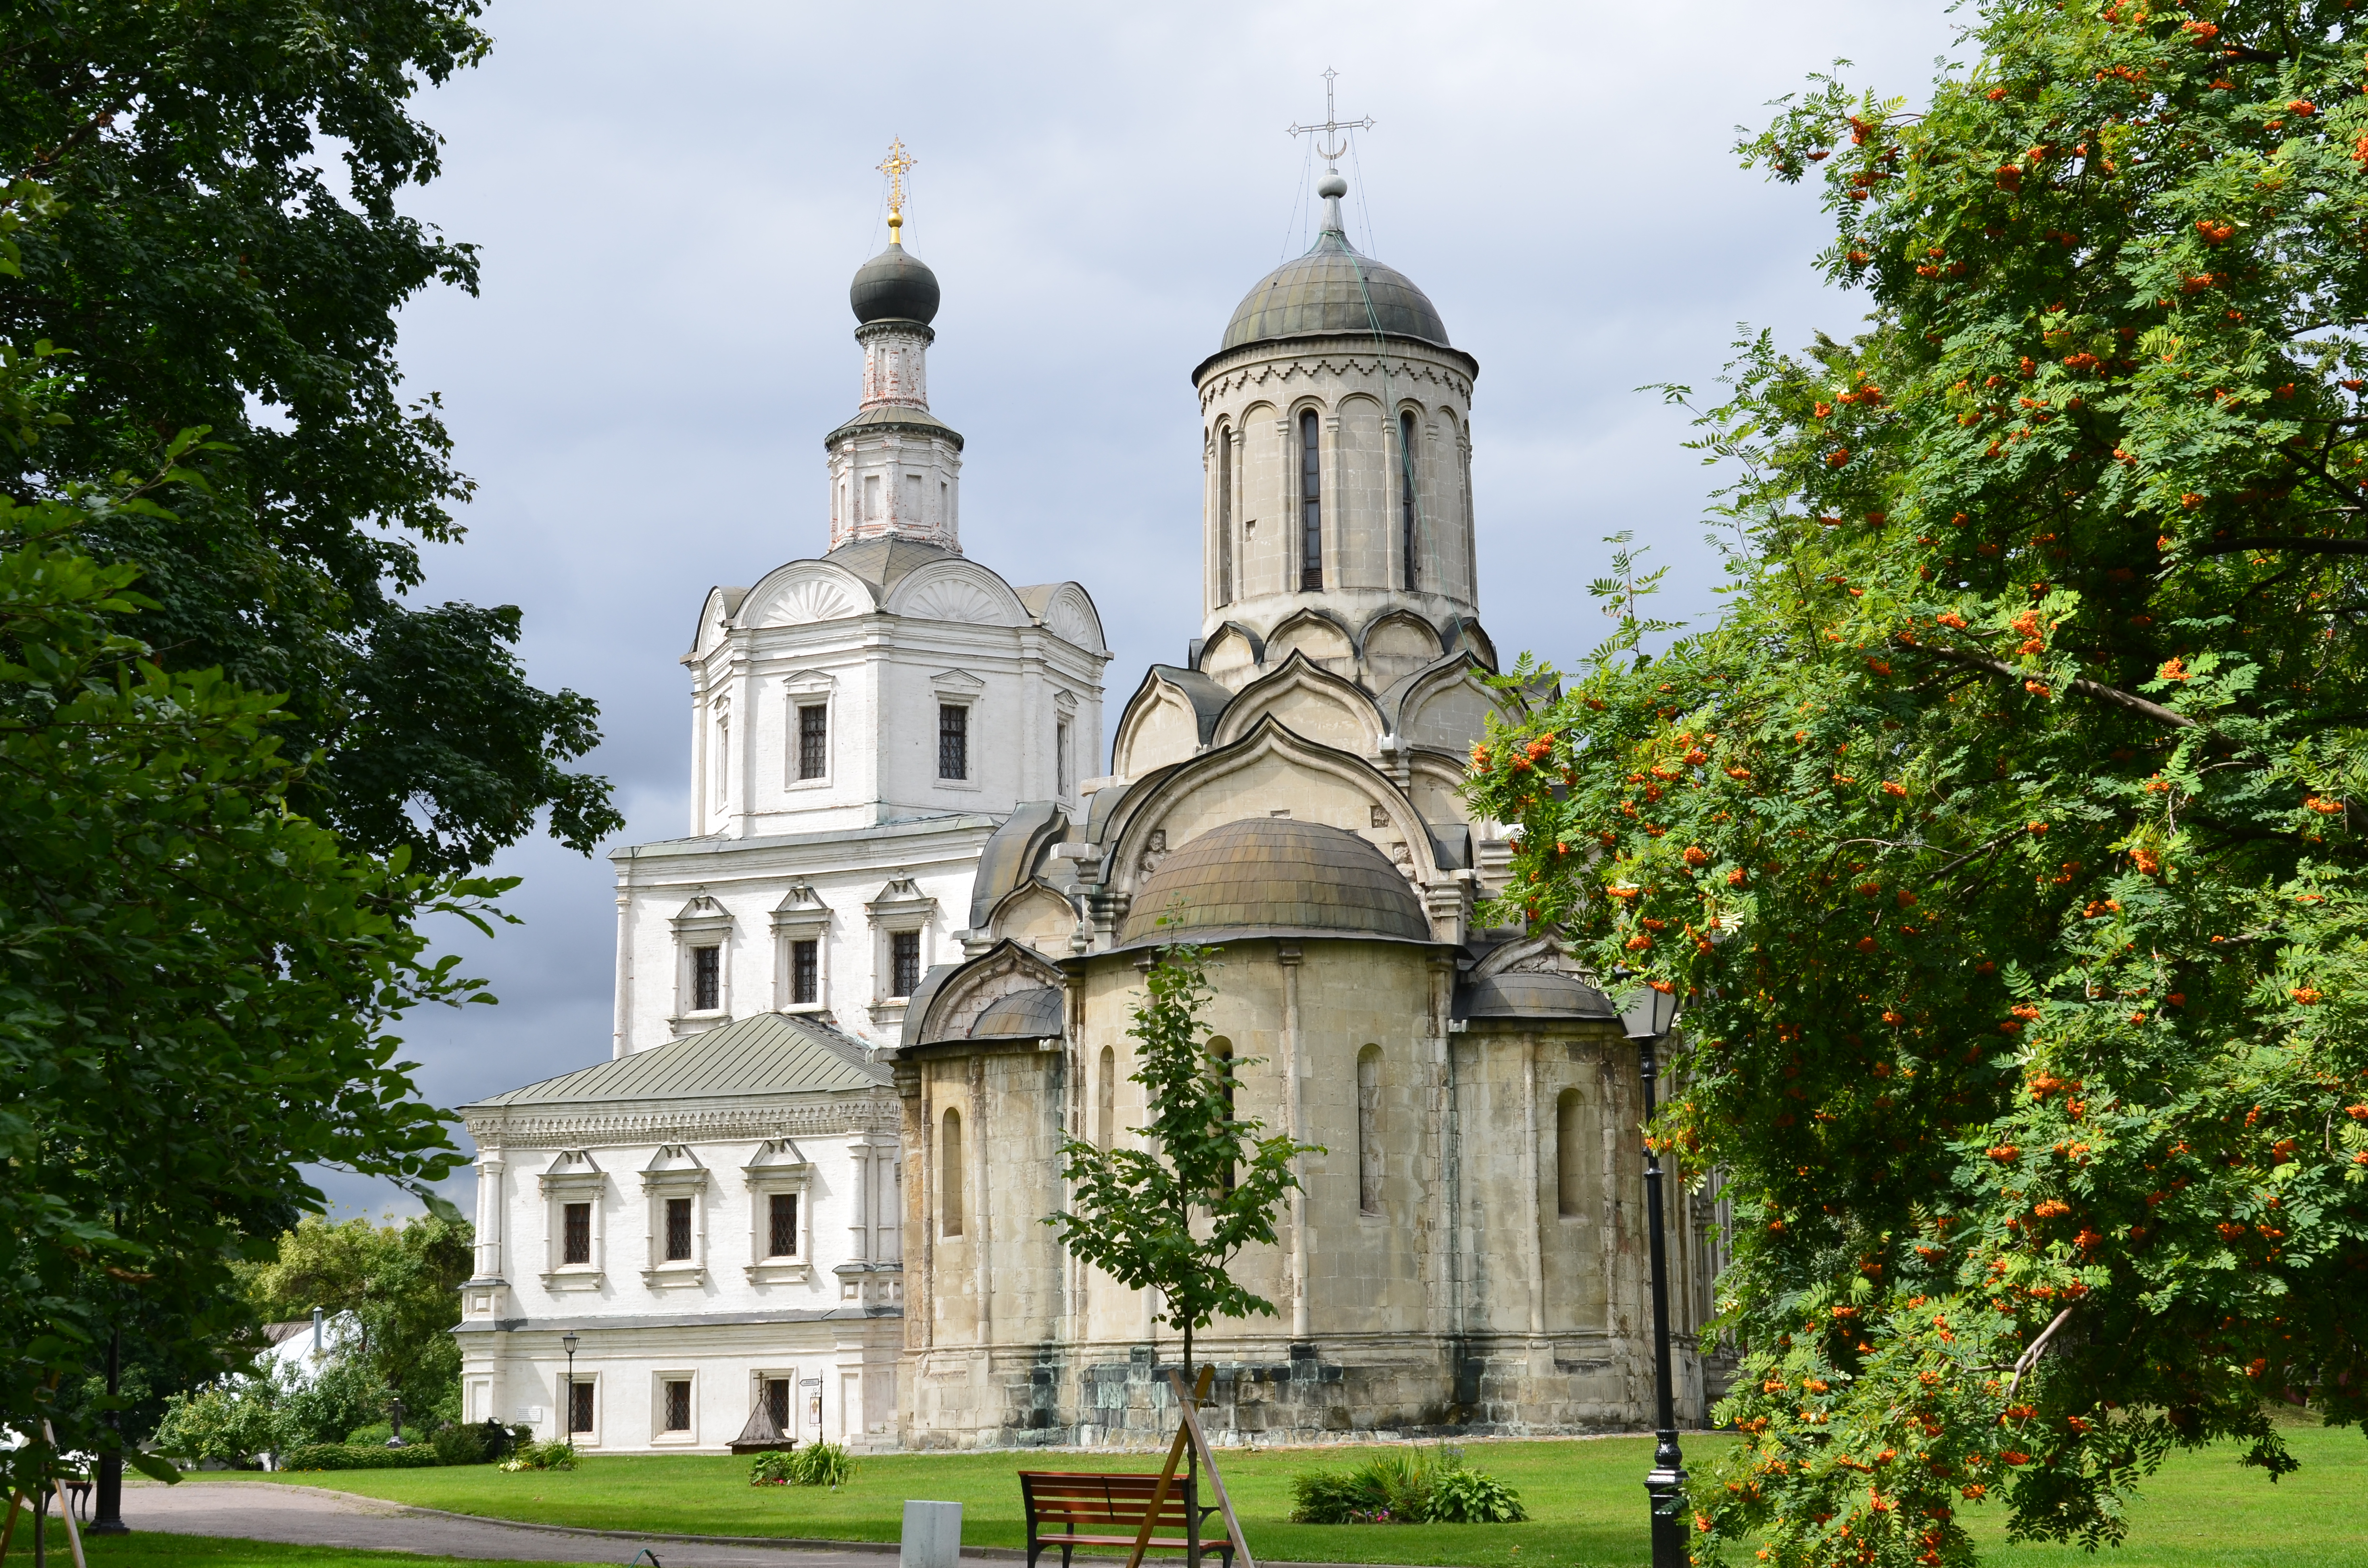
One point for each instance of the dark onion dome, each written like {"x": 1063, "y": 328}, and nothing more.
{"x": 894, "y": 286}
{"x": 1327, "y": 290}
{"x": 1270, "y": 875}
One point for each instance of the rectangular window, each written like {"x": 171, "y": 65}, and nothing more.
{"x": 722, "y": 761}
{"x": 1064, "y": 767}
{"x": 777, "y": 1403}
{"x": 814, "y": 741}
{"x": 576, "y": 1233}
{"x": 805, "y": 973}
{"x": 579, "y": 1407}
{"x": 781, "y": 1231}
{"x": 903, "y": 962}
{"x": 678, "y": 1238}
{"x": 677, "y": 1405}
{"x": 953, "y": 741}
{"x": 1310, "y": 504}
{"x": 706, "y": 979}
{"x": 1224, "y": 515}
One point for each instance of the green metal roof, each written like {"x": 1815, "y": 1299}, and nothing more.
{"x": 768, "y": 1054}
{"x": 1264, "y": 875}
{"x": 1332, "y": 288}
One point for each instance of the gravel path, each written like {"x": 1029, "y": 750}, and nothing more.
{"x": 307, "y": 1515}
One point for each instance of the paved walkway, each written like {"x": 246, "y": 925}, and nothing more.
{"x": 306, "y": 1515}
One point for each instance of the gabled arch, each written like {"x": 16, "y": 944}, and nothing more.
{"x": 1012, "y": 854}
{"x": 800, "y": 593}
{"x": 957, "y": 590}
{"x": 1314, "y": 702}
{"x": 1463, "y": 632}
{"x": 1005, "y": 969}
{"x": 1232, "y": 655}
{"x": 1270, "y": 768}
{"x": 1321, "y": 635}
{"x": 715, "y": 613}
{"x": 1411, "y": 707}
{"x": 1171, "y": 715}
{"x": 1067, "y": 611}
{"x": 1036, "y": 915}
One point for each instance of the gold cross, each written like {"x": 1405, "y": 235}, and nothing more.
{"x": 893, "y": 166}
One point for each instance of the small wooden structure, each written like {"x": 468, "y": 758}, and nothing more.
{"x": 763, "y": 1435}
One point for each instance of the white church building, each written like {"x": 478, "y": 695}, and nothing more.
{"x": 893, "y": 962}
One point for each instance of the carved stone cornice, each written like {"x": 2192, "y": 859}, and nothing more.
{"x": 577, "y": 1129}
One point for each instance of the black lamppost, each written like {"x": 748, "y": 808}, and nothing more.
{"x": 568, "y": 1342}
{"x": 394, "y": 1414}
{"x": 111, "y": 1464}
{"x": 1646, "y": 1016}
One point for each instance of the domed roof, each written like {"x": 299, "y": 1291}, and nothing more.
{"x": 894, "y": 286}
{"x": 1332, "y": 288}
{"x": 1266, "y": 875}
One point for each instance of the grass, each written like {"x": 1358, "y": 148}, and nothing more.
{"x": 2202, "y": 1510}
{"x": 157, "y": 1550}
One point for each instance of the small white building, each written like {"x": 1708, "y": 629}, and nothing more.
{"x": 713, "y": 1212}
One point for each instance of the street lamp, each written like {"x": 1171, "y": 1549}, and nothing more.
{"x": 110, "y": 1464}
{"x": 1646, "y": 1016}
{"x": 568, "y": 1342}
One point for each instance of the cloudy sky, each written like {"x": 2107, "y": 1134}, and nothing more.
{"x": 670, "y": 201}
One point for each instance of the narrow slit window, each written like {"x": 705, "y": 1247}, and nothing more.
{"x": 677, "y": 1405}
{"x": 1407, "y": 507}
{"x": 1311, "y": 503}
{"x": 1224, "y": 515}
{"x": 805, "y": 973}
{"x": 782, "y": 1226}
{"x": 1106, "y": 1102}
{"x": 1369, "y": 1130}
{"x": 1569, "y": 1155}
{"x": 953, "y": 741}
{"x": 706, "y": 979}
{"x": 949, "y": 1175}
{"x": 677, "y": 1230}
{"x": 1065, "y": 761}
{"x": 903, "y": 962}
{"x": 814, "y": 741}
{"x": 576, "y": 1233}
{"x": 722, "y": 761}
{"x": 1221, "y": 1053}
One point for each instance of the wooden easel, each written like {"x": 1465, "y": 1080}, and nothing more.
{"x": 65, "y": 1511}
{"x": 1189, "y": 1431}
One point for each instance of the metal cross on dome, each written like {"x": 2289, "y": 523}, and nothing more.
{"x": 1333, "y": 124}
{"x": 893, "y": 166}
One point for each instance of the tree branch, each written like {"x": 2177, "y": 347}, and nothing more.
{"x": 2300, "y": 543}
{"x": 2113, "y": 696}
{"x": 2031, "y": 1356}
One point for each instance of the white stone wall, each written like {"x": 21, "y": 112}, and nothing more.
{"x": 725, "y": 1325}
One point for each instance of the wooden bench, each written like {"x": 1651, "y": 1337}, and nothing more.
{"x": 1075, "y": 1508}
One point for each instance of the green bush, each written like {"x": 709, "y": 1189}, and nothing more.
{"x": 816, "y": 1464}
{"x": 771, "y": 1468}
{"x": 359, "y": 1456}
{"x": 1462, "y": 1496}
{"x": 541, "y": 1456}
{"x": 1404, "y": 1487}
{"x": 460, "y": 1445}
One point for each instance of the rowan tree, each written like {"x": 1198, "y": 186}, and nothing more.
{"x": 2000, "y": 836}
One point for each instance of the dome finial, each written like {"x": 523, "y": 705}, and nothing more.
{"x": 1332, "y": 187}
{"x": 893, "y": 166}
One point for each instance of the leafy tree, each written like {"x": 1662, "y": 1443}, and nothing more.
{"x": 221, "y": 247}
{"x": 401, "y": 1284}
{"x": 197, "y": 986}
{"x": 1171, "y": 1215}
{"x": 2000, "y": 838}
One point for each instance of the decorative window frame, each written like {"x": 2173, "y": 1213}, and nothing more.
{"x": 958, "y": 688}
{"x": 674, "y": 1172}
{"x": 701, "y": 923}
{"x": 659, "y": 1437}
{"x": 901, "y": 905}
{"x": 572, "y": 1177}
{"x": 800, "y": 916}
{"x": 813, "y": 688}
{"x": 1064, "y": 718}
{"x": 779, "y": 1165}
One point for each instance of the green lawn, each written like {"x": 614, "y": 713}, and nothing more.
{"x": 2202, "y": 1511}
{"x": 160, "y": 1551}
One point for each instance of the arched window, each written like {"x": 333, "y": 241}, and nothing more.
{"x": 1569, "y": 1149}
{"x": 1311, "y": 503}
{"x": 1406, "y": 497}
{"x": 1369, "y": 1130}
{"x": 1220, "y": 1052}
{"x": 1224, "y": 515}
{"x": 950, "y": 1177}
{"x": 1106, "y": 1102}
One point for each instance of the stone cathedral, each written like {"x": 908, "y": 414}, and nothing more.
{"x": 893, "y": 963}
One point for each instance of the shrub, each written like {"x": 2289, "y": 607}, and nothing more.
{"x": 815, "y": 1464}
{"x": 771, "y": 1468}
{"x": 359, "y": 1456}
{"x": 460, "y": 1445}
{"x": 1462, "y": 1496}
{"x": 1404, "y": 1487}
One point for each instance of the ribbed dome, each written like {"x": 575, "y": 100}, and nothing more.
{"x": 894, "y": 286}
{"x": 1327, "y": 290}
{"x": 1271, "y": 874}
